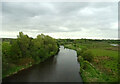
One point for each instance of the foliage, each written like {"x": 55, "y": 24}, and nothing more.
{"x": 25, "y": 50}
{"x": 6, "y": 50}
{"x": 87, "y": 55}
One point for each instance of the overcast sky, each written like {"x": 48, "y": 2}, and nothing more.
{"x": 61, "y": 19}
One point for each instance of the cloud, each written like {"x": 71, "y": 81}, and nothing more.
{"x": 63, "y": 28}
{"x": 56, "y": 18}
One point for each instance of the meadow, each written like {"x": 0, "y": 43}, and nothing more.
{"x": 98, "y": 59}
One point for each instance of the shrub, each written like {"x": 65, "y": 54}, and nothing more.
{"x": 81, "y": 61}
{"x": 87, "y": 55}
{"x": 79, "y": 51}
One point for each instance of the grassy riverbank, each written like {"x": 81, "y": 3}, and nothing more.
{"x": 23, "y": 52}
{"x": 98, "y": 60}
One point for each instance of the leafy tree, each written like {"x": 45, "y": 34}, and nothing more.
{"x": 24, "y": 43}
{"x": 6, "y": 47}
{"x": 25, "y": 50}
{"x": 16, "y": 52}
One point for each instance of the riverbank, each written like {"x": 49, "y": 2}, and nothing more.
{"x": 98, "y": 61}
{"x": 16, "y": 69}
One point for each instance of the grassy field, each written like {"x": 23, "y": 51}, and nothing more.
{"x": 105, "y": 61}
{"x": 104, "y": 64}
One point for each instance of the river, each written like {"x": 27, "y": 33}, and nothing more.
{"x": 62, "y": 67}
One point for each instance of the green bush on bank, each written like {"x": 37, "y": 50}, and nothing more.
{"x": 88, "y": 71}
{"x": 87, "y": 55}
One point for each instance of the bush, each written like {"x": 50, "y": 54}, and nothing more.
{"x": 87, "y": 55}
{"x": 81, "y": 61}
{"x": 79, "y": 51}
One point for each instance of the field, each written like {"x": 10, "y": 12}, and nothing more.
{"x": 98, "y": 59}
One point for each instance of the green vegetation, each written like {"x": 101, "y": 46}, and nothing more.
{"x": 98, "y": 59}
{"x": 23, "y": 52}
{"x": 87, "y": 55}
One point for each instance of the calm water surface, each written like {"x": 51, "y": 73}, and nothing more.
{"x": 60, "y": 68}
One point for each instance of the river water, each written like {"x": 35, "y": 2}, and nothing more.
{"x": 60, "y": 68}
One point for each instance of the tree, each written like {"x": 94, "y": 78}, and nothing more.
{"x": 16, "y": 52}
{"x": 24, "y": 43}
{"x": 6, "y": 47}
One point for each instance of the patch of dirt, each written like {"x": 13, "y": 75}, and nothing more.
{"x": 100, "y": 58}
{"x": 98, "y": 62}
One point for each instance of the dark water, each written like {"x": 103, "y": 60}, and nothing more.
{"x": 60, "y": 68}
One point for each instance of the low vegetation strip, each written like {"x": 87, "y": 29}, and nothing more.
{"x": 98, "y": 59}
{"x": 23, "y": 52}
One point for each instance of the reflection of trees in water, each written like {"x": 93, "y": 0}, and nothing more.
{"x": 53, "y": 61}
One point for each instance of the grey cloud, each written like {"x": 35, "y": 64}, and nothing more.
{"x": 59, "y": 17}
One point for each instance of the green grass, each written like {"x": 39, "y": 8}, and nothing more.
{"x": 106, "y": 61}
{"x": 107, "y": 58}
{"x": 103, "y": 68}
{"x": 13, "y": 70}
